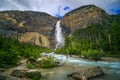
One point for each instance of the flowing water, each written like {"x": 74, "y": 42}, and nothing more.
{"x": 111, "y": 69}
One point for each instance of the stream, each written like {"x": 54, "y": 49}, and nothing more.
{"x": 111, "y": 69}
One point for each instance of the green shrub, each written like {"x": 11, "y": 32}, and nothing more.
{"x": 96, "y": 54}
{"x": 10, "y": 49}
{"x": 30, "y": 66}
{"x": 93, "y": 54}
{"x": 47, "y": 63}
{"x": 8, "y": 58}
{"x": 84, "y": 54}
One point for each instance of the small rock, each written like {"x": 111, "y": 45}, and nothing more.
{"x": 41, "y": 58}
{"x": 22, "y": 61}
{"x": 84, "y": 78}
{"x": 43, "y": 55}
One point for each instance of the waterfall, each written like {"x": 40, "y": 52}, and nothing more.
{"x": 58, "y": 36}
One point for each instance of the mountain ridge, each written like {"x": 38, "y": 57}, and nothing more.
{"x": 19, "y": 23}
{"x": 16, "y": 23}
{"x": 83, "y": 16}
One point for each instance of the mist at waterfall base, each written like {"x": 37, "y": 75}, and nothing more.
{"x": 111, "y": 69}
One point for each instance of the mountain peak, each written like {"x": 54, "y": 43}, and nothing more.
{"x": 82, "y": 16}
{"x": 86, "y": 7}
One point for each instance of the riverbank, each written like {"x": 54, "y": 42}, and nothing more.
{"x": 70, "y": 64}
{"x": 57, "y": 73}
{"x": 108, "y": 59}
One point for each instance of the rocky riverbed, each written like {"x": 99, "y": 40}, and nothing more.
{"x": 57, "y": 73}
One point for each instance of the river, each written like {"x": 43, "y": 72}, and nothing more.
{"x": 111, "y": 69}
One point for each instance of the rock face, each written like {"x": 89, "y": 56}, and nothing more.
{"x": 81, "y": 17}
{"x": 34, "y": 38}
{"x": 28, "y": 23}
{"x": 87, "y": 73}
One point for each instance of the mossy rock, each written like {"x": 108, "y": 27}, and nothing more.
{"x": 34, "y": 75}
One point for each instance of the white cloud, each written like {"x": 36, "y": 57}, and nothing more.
{"x": 53, "y": 6}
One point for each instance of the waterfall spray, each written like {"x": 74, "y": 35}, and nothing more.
{"x": 58, "y": 35}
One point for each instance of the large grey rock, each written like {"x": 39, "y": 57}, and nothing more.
{"x": 26, "y": 74}
{"x": 87, "y": 73}
{"x": 18, "y": 73}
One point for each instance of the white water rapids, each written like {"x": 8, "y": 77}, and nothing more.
{"x": 111, "y": 69}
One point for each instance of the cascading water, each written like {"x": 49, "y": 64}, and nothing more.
{"x": 58, "y": 35}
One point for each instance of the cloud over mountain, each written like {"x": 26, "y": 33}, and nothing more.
{"x": 58, "y": 7}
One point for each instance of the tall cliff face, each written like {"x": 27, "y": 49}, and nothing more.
{"x": 14, "y": 23}
{"x": 87, "y": 28}
{"x": 34, "y": 38}
{"x": 83, "y": 16}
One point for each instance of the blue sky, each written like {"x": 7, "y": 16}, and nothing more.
{"x": 58, "y": 7}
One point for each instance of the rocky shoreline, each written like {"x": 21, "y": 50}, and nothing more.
{"x": 108, "y": 59}
{"x": 67, "y": 71}
{"x": 19, "y": 72}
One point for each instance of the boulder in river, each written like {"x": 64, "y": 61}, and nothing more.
{"x": 87, "y": 73}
